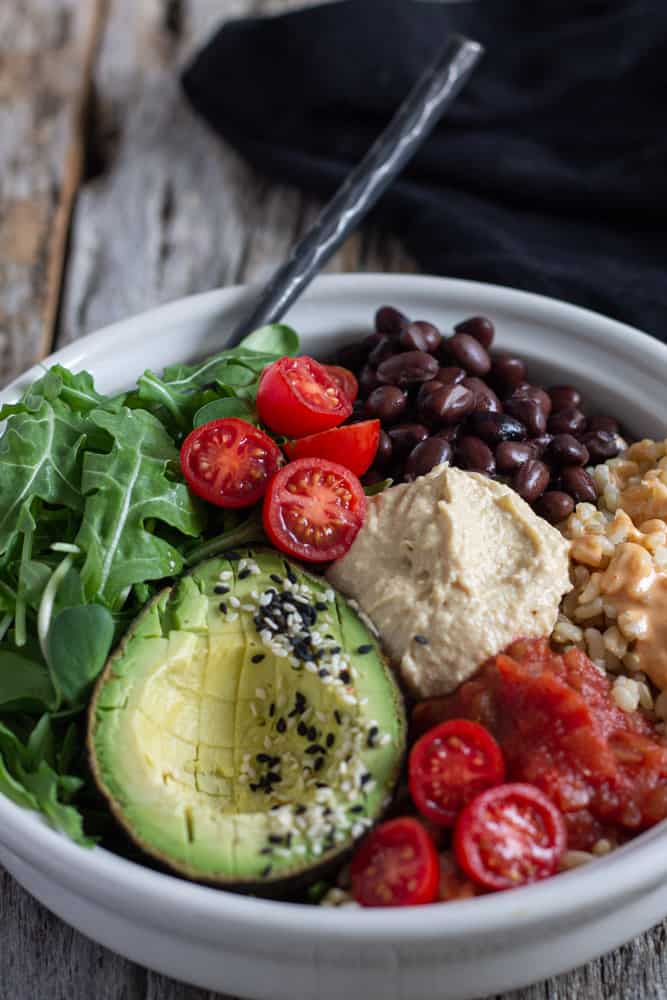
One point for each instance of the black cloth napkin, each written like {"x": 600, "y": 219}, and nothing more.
{"x": 550, "y": 172}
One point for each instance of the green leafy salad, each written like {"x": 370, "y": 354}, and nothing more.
{"x": 94, "y": 517}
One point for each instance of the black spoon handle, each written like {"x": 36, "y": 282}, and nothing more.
{"x": 433, "y": 93}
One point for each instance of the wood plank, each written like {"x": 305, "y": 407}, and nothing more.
{"x": 44, "y": 47}
{"x": 172, "y": 209}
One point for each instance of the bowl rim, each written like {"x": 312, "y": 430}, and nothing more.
{"x": 204, "y": 912}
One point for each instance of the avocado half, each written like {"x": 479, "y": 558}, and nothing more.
{"x": 247, "y": 730}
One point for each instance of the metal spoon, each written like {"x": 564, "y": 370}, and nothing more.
{"x": 433, "y": 93}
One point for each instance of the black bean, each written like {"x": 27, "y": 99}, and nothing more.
{"x": 426, "y": 455}
{"x": 409, "y": 368}
{"x": 531, "y": 480}
{"x": 569, "y": 421}
{"x": 476, "y": 456}
{"x": 390, "y": 321}
{"x": 479, "y": 327}
{"x": 371, "y": 341}
{"x": 352, "y": 356}
{"x": 421, "y": 336}
{"x": 468, "y": 353}
{"x": 601, "y": 445}
{"x": 496, "y": 427}
{"x": 564, "y": 397}
{"x": 511, "y": 455}
{"x": 386, "y": 348}
{"x": 507, "y": 370}
{"x": 579, "y": 484}
{"x": 447, "y": 405}
{"x": 387, "y": 403}
{"x": 601, "y": 423}
{"x": 555, "y": 506}
{"x": 529, "y": 412}
{"x": 404, "y": 437}
{"x": 368, "y": 380}
{"x": 486, "y": 400}
{"x": 450, "y": 373}
{"x": 450, "y": 434}
{"x": 384, "y": 452}
{"x": 566, "y": 450}
{"x": 374, "y": 475}
{"x": 541, "y": 443}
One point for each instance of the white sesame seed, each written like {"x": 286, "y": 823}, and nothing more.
{"x": 260, "y": 693}
{"x": 253, "y": 708}
{"x": 232, "y": 616}
{"x": 248, "y": 607}
{"x": 234, "y": 601}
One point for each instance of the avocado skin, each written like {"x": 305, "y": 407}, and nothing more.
{"x": 286, "y": 883}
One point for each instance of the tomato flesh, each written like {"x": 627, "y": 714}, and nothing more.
{"x": 450, "y": 765}
{"x": 559, "y": 729}
{"x": 229, "y": 462}
{"x": 297, "y": 396}
{"x": 396, "y": 865}
{"x": 313, "y": 509}
{"x": 345, "y": 379}
{"x": 353, "y": 446}
{"x": 509, "y": 836}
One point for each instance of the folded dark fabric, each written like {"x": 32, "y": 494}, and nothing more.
{"x": 549, "y": 174}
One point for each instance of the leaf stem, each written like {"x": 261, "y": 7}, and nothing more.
{"x": 44, "y": 617}
{"x": 250, "y": 531}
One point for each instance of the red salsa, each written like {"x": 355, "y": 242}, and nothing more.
{"x": 559, "y": 729}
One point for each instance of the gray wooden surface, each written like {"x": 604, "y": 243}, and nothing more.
{"x": 96, "y": 142}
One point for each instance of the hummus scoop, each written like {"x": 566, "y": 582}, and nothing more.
{"x": 450, "y": 569}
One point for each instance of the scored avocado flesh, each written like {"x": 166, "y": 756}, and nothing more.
{"x": 237, "y": 752}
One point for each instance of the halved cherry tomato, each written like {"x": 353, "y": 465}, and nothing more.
{"x": 346, "y": 380}
{"x": 396, "y": 865}
{"x": 313, "y": 509}
{"x": 229, "y": 462}
{"x": 297, "y": 396}
{"x": 353, "y": 446}
{"x": 450, "y": 765}
{"x": 509, "y": 836}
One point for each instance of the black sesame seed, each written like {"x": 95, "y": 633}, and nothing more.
{"x": 320, "y": 606}
{"x": 329, "y": 636}
{"x": 322, "y": 672}
{"x": 300, "y": 810}
{"x": 275, "y": 778}
{"x": 232, "y": 555}
{"x": 223, "y": 607}
{"x": 365, "y": 778}
{"x": 288, "y": 840}
{"x": 291, "y": 575}
{"x": 314, "y": 748}
{"x": 300, "y": 698}
{"x": 258, "y": 657}
{"x": 273, "y": 761}
{"x": 328, "y": 811}
{"x": 266, "y": 850}
{"x": 272, "y": 709}
{"x": 262, "y": 758}
{"x": 244, "y": 574}
{"x": 302, "y": 729}
{"x": 254, "y": 787}
{"x": 334, "y": 650}
{"x": 266, "y": 871}
{"x": 273, "y": 808}
{"x": 312, "y": 733}
{"x": 276, "y": 578}
{"x": 321, "y": 784}
{"x": 345, "y": 676}
{"x": 331, "y": 739}
{"x": 338, "y": 717}
{"x": 421, "y": 639}
{"x": 319, "y": 763}
{"x": 275, "y": 838}
{"x": 281, "y": 725}
{"x": 356, "y": 809}
{"x": 366, "y": 648}
{"x": 220, "y": 589}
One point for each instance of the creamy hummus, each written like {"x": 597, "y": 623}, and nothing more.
{"x": 450, "y": 569}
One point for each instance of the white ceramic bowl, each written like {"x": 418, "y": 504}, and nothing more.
{"x": 281, "y": 951}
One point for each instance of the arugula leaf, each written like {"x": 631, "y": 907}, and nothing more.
{"x": 79, "y": 643}
{"x": 38, "y": 458}
{"x": 376, "y": 488}
{"x": 276, "y": 338}
{"x": 123, "y": 489}
{"x": 228, "y": 407}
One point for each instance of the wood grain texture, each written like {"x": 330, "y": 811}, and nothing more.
{"x": 173, "y": 209}
{"x": 164, "y": 209}
{"x": 44, "y": 48}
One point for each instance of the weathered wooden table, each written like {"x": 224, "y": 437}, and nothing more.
{"x": 113, "y": 198}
